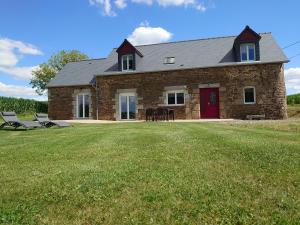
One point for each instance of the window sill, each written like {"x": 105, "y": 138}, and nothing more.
{"x": 249, "y": 103}
{"x": 175, "y": 105}
{"x": 249, "y": 61}
{"x": 129, "y": 120}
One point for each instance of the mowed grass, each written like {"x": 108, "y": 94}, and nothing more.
{"x": 294, "y": 111}
{"x": 152, "y": 173}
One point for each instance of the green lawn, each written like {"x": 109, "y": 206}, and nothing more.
{"x": 294, "y": 111}
{"x": 152, "y": 173}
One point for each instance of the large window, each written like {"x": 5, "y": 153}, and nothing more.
{"x": 127, "y": 106}
{"x": 249, "y": 95}
{"x": 83, "y": 106}
{"x": 127, "y": 62}
{"x": 247, "y": 52}
{"x": 175, "y": 98}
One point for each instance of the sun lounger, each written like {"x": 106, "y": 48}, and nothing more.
{"x": 46, "y": 122}
{"x": 11, "y": 120}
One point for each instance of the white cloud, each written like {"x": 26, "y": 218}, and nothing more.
{"x": 147, "y": 2}
{"x": 8, "y": 57}
{"x": 200, "y": 7}
{"x": 19, "y": 92}
{"x": 24, "y": 48}
{"x": 145, "y": 23}
{"x": 149, "y": 35}
{"x": 107, "y": 10}
{"x": 121, "y": 4}
{"x": 175, "y": 2}
{"x": 21, "y": 73}
{"x": 192, "y": 3}
{"x": 105, "y": 5}
{"x": 292, "y": 79}
{"x": 11, "y": 51}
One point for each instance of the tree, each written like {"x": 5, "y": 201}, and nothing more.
{"x": 46, "y": 71}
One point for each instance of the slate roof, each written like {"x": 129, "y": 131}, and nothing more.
{"x": 201, "y": 53}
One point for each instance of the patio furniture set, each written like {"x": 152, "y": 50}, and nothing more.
{"x": 160, "y": 114}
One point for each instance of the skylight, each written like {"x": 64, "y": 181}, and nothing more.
{"x": 169, "y": 60}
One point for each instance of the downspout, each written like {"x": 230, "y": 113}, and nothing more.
{"x": 95, "y": 85}
{"x": 97, "y": 99}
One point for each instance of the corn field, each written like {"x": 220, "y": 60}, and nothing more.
{"x": 293, "y": 99}
{"x": 22, "y": 105}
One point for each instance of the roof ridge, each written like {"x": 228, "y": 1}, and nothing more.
{"x": 198, "y": 39}
{"x": 189, "y": 40}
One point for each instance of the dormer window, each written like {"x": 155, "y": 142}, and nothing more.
{"x": 127, "y": 62}
{"x": 247, "y": 52}
{"x": 128, "y": 57}
{"x": 246, "y": 46}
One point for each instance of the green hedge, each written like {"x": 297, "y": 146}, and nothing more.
{"x": 20, "y": 105}
{"x": 293, "y": 99}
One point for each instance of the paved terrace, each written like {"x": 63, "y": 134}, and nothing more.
{"x": 141, "y": 121}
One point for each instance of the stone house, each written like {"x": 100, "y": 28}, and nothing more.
{"x": 223, "y": 77}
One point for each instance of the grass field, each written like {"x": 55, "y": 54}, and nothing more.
{"x": 294, "y": 111}
{"x": 152, "y": 173}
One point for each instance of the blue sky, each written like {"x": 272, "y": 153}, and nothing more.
{"x": 32, "y": 30}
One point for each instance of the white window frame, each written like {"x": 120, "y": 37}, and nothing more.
{"x": 175, "y": 92}
{"x": 127, "y": 62}
{"x": 247, "y": 49}
{"x": 83, "y": 103}
{"x": 254, "y": 92}
{"x": 120, "y": 105}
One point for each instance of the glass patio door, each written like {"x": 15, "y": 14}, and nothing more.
{"x": 83, "y": 106}
{"x": 127, "y": 107}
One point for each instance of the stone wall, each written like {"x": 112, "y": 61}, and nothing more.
{"x": 151, "y": 89}
{"x": 62, "y": 102}
{"x": 268, "y": 80}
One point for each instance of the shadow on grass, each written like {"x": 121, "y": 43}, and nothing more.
{"x": 14, "y": 129}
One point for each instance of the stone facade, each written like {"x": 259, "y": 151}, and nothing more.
{"x": 63, "y": 102}
{"x": 150, "y": 90}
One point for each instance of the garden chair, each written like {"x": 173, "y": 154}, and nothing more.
{"x": 150, "y": 114}
{"x": 162, "y": 114}
{"x": 11, "y": 120}
{"x": 46, "y": 122}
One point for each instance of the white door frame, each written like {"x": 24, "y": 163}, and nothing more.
{"x": 129, "y": 94}
{"x": 83, "y": 105}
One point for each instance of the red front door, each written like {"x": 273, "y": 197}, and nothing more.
{"x": 209, "y": 103}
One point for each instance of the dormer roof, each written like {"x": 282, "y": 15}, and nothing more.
{"x": 127, "y": 48}
{"x": 248, "y": 35}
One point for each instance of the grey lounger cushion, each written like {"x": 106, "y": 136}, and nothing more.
{"x": 11, "y": 119}
{"x": 45, "y": 121}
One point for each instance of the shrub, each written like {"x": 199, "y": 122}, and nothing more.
{"x": 20, "y": 105}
